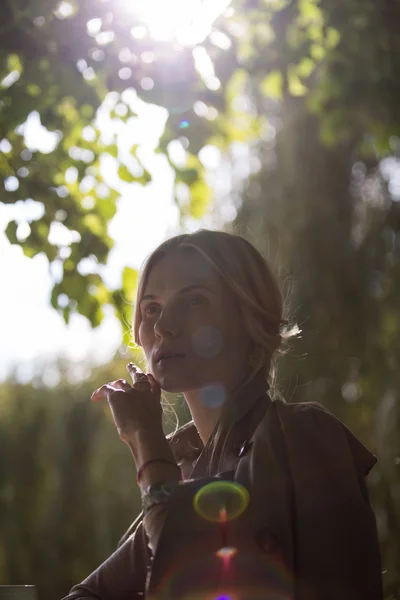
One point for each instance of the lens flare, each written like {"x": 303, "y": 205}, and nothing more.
{"x": 221, "y": 501}
{"x": 245, "y": 575}
{"x": 227, "y": 552}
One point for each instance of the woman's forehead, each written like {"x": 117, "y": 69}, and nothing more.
{"x": 177, "y": 270}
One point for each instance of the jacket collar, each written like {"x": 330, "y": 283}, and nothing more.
{"x": 186, "y": 442}
{"x": 243, "y": 399}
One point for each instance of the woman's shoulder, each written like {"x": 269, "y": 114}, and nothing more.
{"x": 304, "y": 413}
{"x": 308, "y": 407}
{"x": 307, "y": 413}
{"x": 314, "y": 425}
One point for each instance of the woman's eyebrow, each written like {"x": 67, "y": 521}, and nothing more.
{"x": 184, "y": 290}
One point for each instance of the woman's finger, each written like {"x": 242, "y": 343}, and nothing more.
{"x": 131, "y": 368}
{"x": 141, "y": 382}
{"x": 121, "y": 384}
{"x": 113, "y": 386}
{"x": 136, "y": 373}
{"x": 103, "y": 392}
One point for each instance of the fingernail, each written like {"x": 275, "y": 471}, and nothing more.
{"x": 93, "y": 396}
{"x": 130, "y": 366}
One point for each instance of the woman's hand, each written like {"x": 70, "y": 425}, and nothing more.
{"x": 135, "y": 408}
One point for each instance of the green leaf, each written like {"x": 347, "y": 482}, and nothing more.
{"x": 295, "y": 86}
{"x": 200, "y": 196}
{"x": 188, "y": 176}
{"x": 310, "y": 10}
{"x": 101, "y": 293}
{"x": 66, "y": 312}
{"x": 113, "y": 150}
{"x": 236, "y": 85}
{"x": 106, "y": 206}
{"x": 11, "y": 232}
{"x": 133, "y": 149}
{"x": 93, "y": 223}
{"x": 272, "y": 85}
{"x": 33, "y": 89}
{"x": 14, "y": 63}
{"x": 317, "y": 52}
{"x": 145, "y": 178}
{"x": 129, "y": 283}
{"x": 332, "y": 38}
{"x": 305, "y": 68}
{"x": 87, "y": 111}
{"x": 30, "y": 251}
{"x": 54, "y": 296}
{"x": 125, "y": 174}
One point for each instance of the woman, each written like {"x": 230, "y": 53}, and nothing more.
{"x": 254, "y": 499}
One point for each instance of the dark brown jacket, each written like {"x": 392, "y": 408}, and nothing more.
{"x": 308, "y": 532}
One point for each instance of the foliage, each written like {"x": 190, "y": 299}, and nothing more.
{"x": 62, "y": 60}
{"x": 60, "y": 63}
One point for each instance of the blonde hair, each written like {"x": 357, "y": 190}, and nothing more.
{"x": 251, "y": 280}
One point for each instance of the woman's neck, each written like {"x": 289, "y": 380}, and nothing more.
{"x": 206, "y": 403}
{"x": 205, "y": 417}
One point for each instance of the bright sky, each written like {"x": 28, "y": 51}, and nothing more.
{"x": 186, "y": 21}
{"x": 30, "y": 330}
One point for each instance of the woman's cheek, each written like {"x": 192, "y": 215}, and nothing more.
{"x": 144, "y": 334}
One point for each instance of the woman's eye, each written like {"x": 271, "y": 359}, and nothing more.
{"x": 194, "y": 301}
{"x": 151, "y": 309}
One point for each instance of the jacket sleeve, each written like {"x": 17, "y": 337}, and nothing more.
{"x": 122, "y": 576}
{"x": 336, "y": 542}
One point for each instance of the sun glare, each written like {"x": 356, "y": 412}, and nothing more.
{"x": 188, "y": 22}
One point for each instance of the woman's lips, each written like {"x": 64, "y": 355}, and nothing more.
{"x": 170, "y": 360}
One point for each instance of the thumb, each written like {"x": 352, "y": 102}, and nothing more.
{"x": 154, "y": 385}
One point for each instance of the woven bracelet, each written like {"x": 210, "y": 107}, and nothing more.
{"x": 153, "y": 460}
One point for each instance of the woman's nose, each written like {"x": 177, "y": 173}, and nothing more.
{"x": 167, "y": 324}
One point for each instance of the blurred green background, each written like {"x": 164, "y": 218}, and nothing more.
{"x": 277, "y": 119}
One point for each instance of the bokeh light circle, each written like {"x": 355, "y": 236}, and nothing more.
{"x": 207, "y": 341}
{"x": 221, "y": 501}
{"x": 213, "y": 395}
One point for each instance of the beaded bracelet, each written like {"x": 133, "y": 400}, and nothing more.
{"x": 153, "y": 460}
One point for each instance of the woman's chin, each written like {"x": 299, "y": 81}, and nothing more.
{"x": 174, "y": 383}
{"x": 170, "y": 384}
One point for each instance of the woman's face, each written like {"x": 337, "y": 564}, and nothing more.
{"x": 191, "y": 329}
